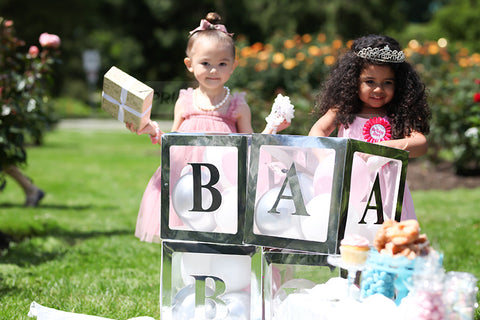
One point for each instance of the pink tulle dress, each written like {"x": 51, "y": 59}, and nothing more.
{"x": 222, "y": 120}
{"x": 355, "y": 131}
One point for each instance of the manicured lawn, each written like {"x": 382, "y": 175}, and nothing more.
{"x": 77, "y": 252}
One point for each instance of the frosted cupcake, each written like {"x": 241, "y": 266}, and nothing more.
{"x": 354, "y": 249}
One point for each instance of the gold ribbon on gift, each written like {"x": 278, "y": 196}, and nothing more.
{"x": 123, "y": 99}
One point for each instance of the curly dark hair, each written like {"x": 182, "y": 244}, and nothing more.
{"x": 408, "y": 111}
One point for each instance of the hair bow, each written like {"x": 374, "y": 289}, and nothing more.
{"x": 205, "y": 25}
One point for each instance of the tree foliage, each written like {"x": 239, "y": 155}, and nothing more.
{"x": 458, "y": 21}
{"x": 147, "y": 38}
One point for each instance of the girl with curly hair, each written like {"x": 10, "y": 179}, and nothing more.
{"x": 372, "y": 86}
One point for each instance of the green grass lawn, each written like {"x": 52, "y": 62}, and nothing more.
{"x": 77, "y": 252}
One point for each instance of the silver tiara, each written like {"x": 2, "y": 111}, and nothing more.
{"x": 383, "y": 55}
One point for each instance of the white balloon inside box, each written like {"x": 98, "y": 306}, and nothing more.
{"x": 292, "y": 272}
{"x": 210, "y": 281}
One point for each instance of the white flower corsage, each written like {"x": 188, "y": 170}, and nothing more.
{"x": 282, "y": 109}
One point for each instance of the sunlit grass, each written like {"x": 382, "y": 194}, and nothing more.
{"x": 76, "y": 252}
{"x": 452, "y": 222}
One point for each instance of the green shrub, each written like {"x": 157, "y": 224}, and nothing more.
{"x": 459, "y": 20}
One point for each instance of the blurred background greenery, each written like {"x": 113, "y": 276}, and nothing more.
{"x": 283, "y": 46}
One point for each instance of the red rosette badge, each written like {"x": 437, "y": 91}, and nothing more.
{"x": 377, "y": 129}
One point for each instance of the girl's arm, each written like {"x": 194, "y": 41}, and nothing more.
{"x": 416, "y": 144}
{"x": 150, "y": 128}
{"x": 244, "y": 119}
{"x": 285, "y": 124}
{"x": 325, "y": 125}
{"x": 177, "y": 116}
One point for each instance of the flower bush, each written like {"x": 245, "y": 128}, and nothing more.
{"x": 24, "y": 91}
{"x": 294, "y": 67}
{"x": 297, "y": 66}
{"x": 451, "y": 75}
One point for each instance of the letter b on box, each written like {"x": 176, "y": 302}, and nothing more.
{"x": 203, "y": 187}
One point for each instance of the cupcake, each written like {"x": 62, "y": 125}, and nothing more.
{"x": 354, "y": 249}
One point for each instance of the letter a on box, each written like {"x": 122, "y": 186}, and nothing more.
{"x": 291, "y": 203}
{"x": 306, "y": 193}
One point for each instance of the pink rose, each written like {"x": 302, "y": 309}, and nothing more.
{"x": 48, "y": 40}
{"x": 33, "y": 51}
{"x": 8, "y": 23}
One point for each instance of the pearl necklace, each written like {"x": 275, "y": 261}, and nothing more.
{"x": 218, "y": 105}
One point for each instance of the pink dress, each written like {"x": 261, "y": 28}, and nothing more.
{"x": 355, "y": 131}
{"x": 222, "y": 120}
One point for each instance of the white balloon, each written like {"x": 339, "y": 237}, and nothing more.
{"x": 183, "y": 304}
{"x": 306, "y": 185}
{"x": 273, "y": 223}
{"x": 235, "y": 271}
{"x": 225, "y": 160}
{"x": 294, "y": 232}
{"x": 238, "y": 305}
{"x": 315, "y": 226}
{"x": 213, "y": 155}
{"x": 182, "y": 201}
{"x": 226, "y": 217}
{"x": 193, "y": 264}
{"x": 292, "y": 286}
{"x": 185, "y": 170}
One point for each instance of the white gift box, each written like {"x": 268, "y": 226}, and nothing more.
{"x": 210, "y": 281}
{"x": 126, "y": 98}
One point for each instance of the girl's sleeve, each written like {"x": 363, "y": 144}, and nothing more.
{"x": 183, "y": 96}
{"x": 183, "y": 93}
{"x": 238, "y": 99}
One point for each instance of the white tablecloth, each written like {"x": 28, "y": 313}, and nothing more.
{"x": 44, "y": 313}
